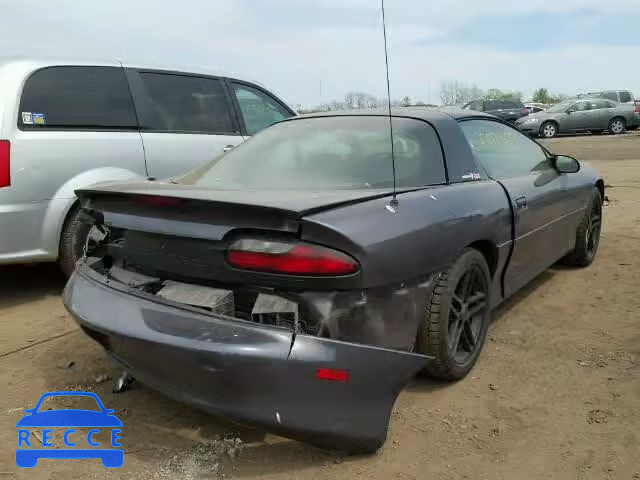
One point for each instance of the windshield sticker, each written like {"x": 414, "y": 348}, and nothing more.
{"x": 471, "y": 176}
{"x": 27, "y": 119}
{"x": 39, "y": 119}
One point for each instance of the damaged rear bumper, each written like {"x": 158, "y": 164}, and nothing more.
{"x": 253, "y": 374}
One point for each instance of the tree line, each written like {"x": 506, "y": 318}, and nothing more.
{"x": 452, "y": 92}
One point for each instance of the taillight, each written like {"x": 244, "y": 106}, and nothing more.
{"x": 5, "y": 163}
{"x": 525, "y": 111}
{"x": 637, "y": 109}
{"x": 289, "y": 258}
{"x": 332, "y": 374}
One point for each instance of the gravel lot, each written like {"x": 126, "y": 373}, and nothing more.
{"x": 556, "y": 393}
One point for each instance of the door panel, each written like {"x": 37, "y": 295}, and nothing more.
{"x": 541, "y": 225}
{"x": 537, "y": 192}
{"x": 185, "y": 120}
{"x": 171, "y": 154}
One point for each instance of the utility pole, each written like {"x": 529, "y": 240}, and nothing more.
{"x": 428, "y": 92}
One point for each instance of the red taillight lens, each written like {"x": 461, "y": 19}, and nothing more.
{"x": 289, "y": 258}
{"x": 637, "y": 109}
{"x": 525, "y": 111}
{"x": 332, "y": 374}
{"x": 5, "y": 163}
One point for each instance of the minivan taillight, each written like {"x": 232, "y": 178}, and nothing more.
{"x": 289, "y": 258}
{"x": 637, "y": 109}
{"x": 5, "y": 163}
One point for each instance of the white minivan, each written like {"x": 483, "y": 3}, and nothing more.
{"x": 66, "y": 125}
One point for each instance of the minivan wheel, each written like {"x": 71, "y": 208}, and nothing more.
{"x": 72, "y": 241}
{"x": 454, "y": 327}
{"x": 617, "y": 126}
{"x": 548, "y": 130}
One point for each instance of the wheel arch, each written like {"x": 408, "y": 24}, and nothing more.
{"x": 64, "y": 203}
{"x": 600, "y": 187}
{"x": 489, "y": 251}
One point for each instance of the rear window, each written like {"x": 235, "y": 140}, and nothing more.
{"x": 501, "y": 104}
{"x": 77, "y": 97}
{"x": 344, "y": 152}
{"x": 185, "y": 104}
{"x": 625, "y": 97}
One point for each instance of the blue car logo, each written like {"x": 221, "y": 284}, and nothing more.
{"x": 31, "y": 448}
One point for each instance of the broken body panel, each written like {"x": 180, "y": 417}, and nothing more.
{"x": 217, "y": 346}
{"x": 265, "y": 376}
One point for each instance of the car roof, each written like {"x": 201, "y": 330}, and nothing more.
{"x": 429, "y": 114}
{"x": 28, "y": 64}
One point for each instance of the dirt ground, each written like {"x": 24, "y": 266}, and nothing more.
{"x": 555, "y": 394}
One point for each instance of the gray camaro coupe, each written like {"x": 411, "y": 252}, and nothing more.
{"x": 581, "y": 115}
{"x": 285, "y": 286}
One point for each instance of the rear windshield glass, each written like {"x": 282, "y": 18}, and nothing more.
{"x": 349, "y": 152}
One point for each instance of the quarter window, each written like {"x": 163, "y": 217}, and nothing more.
{"x": 77, "y": 98}
{"x": 185, "y": 104}
{"x": 503, "y": 151}
{"x": 625, "y": 97}
{"x": 259, "y": 110}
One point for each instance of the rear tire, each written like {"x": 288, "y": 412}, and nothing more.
{"x": 72, "y": 241}
{"x": 548, "y": 129}
{"x": 617, "y": 126}
{"x": 588, "y": 233}
{"x": 457, "y": 317}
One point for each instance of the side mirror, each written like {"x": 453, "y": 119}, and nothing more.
{"x": 570, "y": 110}
{"x": 565, "y": 164}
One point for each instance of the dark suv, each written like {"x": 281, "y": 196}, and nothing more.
{"x": 508, "y": 110}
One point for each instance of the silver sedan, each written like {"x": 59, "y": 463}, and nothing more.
{"x": 578, "y": 115}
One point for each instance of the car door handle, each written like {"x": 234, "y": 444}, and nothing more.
{"x": 521, "y": 203}
{"x": 227, "y": 148}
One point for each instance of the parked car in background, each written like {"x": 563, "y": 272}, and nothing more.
{"x": 507, "y": 110}
{"x": 297, "y": 284}
{"x": 620, "y": 96}
{"x": 534, "y": 107}
{"x": 594, "y": 115}
{"x": 67, "y": 125}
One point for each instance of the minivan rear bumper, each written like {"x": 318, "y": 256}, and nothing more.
{"x": 257, "y": 375}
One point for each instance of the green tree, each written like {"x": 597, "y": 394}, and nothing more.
{"x": 542, "y": 95}
{"x": 497, "y": 94}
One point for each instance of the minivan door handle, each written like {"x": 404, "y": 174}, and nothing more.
{"x": 521, "y": 203}
{"x": 227, "y": 148}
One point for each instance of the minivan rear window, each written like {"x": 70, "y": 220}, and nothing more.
{"x": 77, "y": 97}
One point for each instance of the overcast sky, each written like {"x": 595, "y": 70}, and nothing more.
{"x": 312, "y": 51}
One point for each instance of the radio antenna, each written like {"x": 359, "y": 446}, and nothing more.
{"x": 394, "y": 200}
